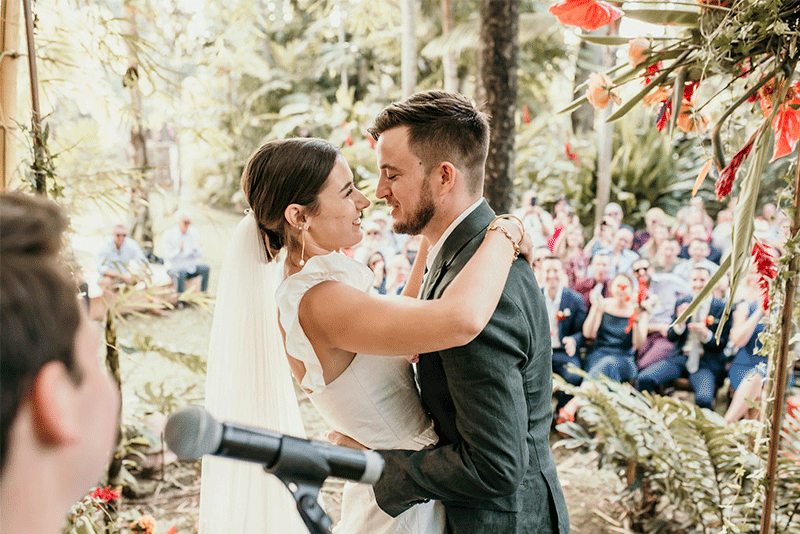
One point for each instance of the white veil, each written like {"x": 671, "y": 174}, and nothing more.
{"x": 248, "y": 381}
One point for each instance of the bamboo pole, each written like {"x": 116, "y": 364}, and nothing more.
{"x": 36, "y": 119}
{"x": 781, "y": 363}
{"x": 9, "y": 43}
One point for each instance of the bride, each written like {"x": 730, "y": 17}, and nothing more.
{"x": 338, "y": 337}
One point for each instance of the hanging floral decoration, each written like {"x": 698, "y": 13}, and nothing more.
{"x": 716, "y": 56}
{"x": 765, "y": 264}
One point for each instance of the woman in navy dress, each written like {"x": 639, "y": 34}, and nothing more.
{"x": 618, "y": 328}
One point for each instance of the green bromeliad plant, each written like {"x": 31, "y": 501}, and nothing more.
{"x": 685, "y": 469}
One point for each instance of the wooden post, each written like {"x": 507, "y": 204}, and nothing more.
{"x": 780, "y": 372}
{"x": 9, "y": 45}
{"x": 36, "y": 118}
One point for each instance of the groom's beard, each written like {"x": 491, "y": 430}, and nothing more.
{"x": 421, "y": 216}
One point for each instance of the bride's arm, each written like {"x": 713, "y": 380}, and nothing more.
{"x": 343, "y": 317}
{"x": 414, "y": 282}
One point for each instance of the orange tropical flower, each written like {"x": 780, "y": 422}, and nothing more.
{"x": 601, "y": 90}
{"x": 689, "y": 121}
{"x": 636, "y": 51}
{"x": 144, "y": 525}
{"x": 586, "y": 14}
{"x": 662, "y": 94}
{"x": 710, "y": 320}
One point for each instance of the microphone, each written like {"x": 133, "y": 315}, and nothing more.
{"x": 192, "y": 433}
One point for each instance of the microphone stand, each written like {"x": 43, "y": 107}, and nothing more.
{"x": 303, "y": 470}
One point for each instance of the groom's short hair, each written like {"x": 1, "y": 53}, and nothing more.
{"x": 442, "y": 126}
{"x": 39, "y": 314}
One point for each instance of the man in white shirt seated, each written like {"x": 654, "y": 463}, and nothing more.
{"x": 182, "y": 249}
{"x": 122, "y": 260}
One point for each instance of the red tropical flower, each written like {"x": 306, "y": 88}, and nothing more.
{"x": 786, "y": 125}
{"x": 106, "y": 494}
{"x": 571, "y": 155}
{"x": 710, "y": 320}
{"x": 652, "y": 69}
{"x": 642, "y": 294}
{"x": 526, "y": 114}
{"x": 586, "y": 14}
{"x": 765, "y": 264}
{"x": 724, "y": 183}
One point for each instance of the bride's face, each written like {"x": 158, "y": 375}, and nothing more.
{"x": 337, "y": 223}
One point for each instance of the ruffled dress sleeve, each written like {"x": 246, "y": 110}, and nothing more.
{"x": 334, "y": 266}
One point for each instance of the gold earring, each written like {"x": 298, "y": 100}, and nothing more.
{"x": 303, "y": 246}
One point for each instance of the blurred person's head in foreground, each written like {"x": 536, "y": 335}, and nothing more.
{"x": 59, "y": 404}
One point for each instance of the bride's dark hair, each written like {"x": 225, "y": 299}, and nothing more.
{"x": 283, "y": 172}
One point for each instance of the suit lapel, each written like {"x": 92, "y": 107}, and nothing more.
{"x": 473, "y": 224}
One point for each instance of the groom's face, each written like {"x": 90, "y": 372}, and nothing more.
{"x": 403, "y": 183}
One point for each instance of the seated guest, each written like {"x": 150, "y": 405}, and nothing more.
{"x": 397, "y": 272}
{"x": 59, "y": 404}
{"x": 603, "y": 237}
{"x": 663, "y": 292}
{"x": 539, "y": 254}
{"x": 614, "y": 211}
{"x": 599, "y": 280}
{"x": 183, "y": 249}
{"x": 122, "y": 260}
{"x": 666, "y": 259}
{"x": 698, "y": 254}
{"x": 657, "y": 236}
{"x": 698, "y": 354}
{"x": 567, "y": 313}
{"x": 569, "y": 247}
{"x": 622, "y": 257}
{"x": 652, "y": 219}
{"x": 698, "y": 231}
{"x": 538, "y": 223}
{"x": 377, "y": 264}
{"x": 617, "y": 332}
{"x": 749, "y": 367}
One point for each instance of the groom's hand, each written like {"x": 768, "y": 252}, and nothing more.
{"x": 343, "y": 441}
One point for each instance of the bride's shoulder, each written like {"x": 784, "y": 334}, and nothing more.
{"x": 333, "y": 266}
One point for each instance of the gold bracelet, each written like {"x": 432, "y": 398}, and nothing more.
{"x": 508, "y": 235}
{"x": 511, "y": 218}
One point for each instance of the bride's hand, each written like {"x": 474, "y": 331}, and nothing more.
{"x": 340, "y": 439}
{"x": 515, "y": 230}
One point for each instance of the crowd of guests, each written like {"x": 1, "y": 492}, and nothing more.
{"x": 611, "y": 300}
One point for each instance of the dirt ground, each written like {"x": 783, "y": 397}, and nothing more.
{"x": 155, "y": 383}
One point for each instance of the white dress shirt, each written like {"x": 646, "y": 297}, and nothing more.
{"x": 186, "y": 258}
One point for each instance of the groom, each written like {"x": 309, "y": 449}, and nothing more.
{"x": 490, "y": 399}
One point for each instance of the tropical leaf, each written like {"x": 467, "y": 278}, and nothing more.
{"x": 744, "y": 216}
{"x": 667, "y": 15}
{"x": 627, "y": 106}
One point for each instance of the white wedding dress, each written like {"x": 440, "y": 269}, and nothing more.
{"x": 374, "y": 401}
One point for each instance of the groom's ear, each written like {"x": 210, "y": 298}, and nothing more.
{"x": 295, "y": 215}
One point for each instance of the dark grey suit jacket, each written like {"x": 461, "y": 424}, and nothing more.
{"x": 490, "y": 402}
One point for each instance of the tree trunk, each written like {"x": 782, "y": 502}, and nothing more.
{"x": 408, "y": 58}
{"x": 499, "y": 63}
{"x": 605, "y": 141}
{"x": 9, "y": 46}
{"x": 449, "y": 65}
{"x": 142, "y": 229}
